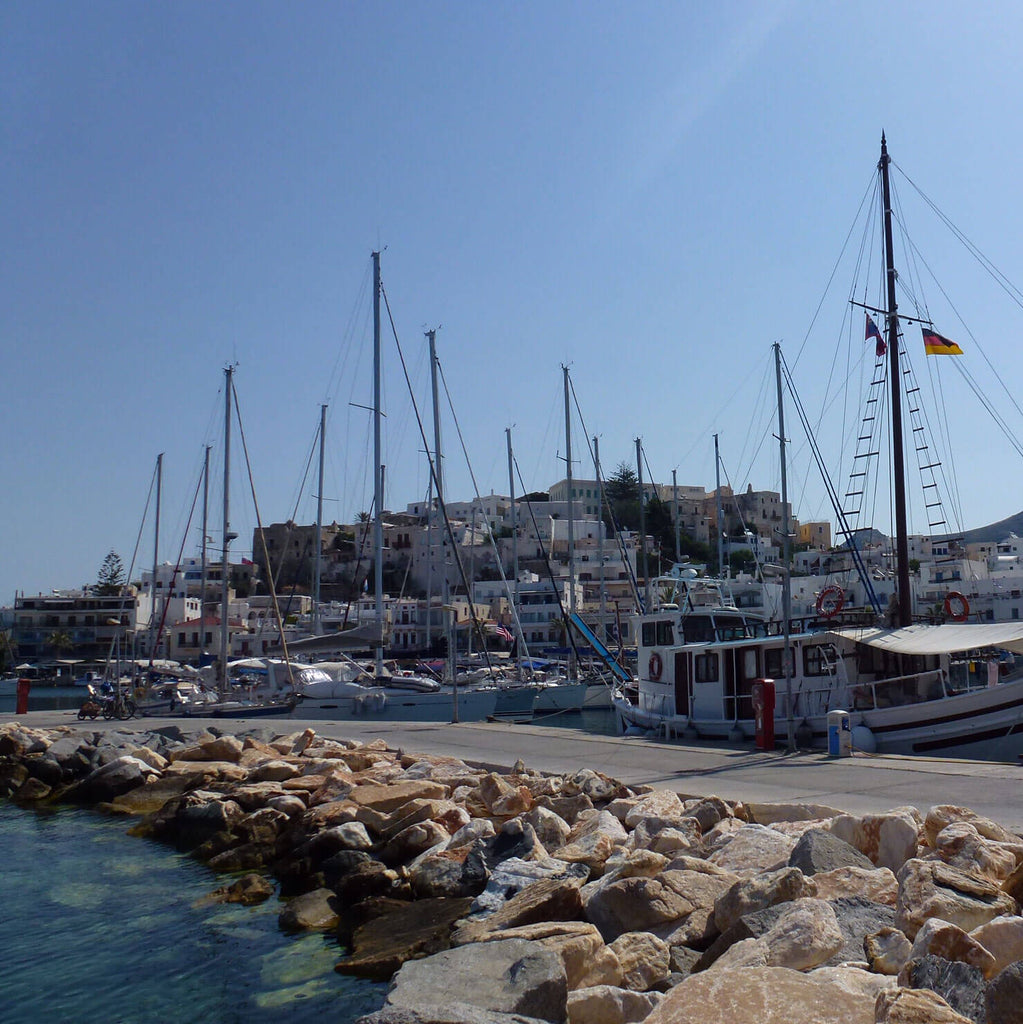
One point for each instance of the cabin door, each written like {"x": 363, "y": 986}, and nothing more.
{"x": 683, "y": 684}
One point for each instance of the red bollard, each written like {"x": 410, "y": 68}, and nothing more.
{"x": 24, "y": 685}
{"x": 763, "y": 713}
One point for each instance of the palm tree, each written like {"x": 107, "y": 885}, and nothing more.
{"x": 60, "y": 641}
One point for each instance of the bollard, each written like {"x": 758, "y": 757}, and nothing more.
{"x": 839, "y": 734}
{"x": 24, "y": 686}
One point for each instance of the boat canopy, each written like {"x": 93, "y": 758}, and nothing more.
{"x": 944, "y": 639}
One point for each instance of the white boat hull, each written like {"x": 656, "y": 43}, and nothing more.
{"x": 473, "y": 706}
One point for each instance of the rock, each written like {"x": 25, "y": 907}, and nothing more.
{"x": 948, "y": 941}
{"x": 751, "y": 894}
{"x": 551, "y": 829}
{"x": 151, "y": 797}
{"x": 1004, "y": 995}
{"x": 458, "y": 872}
{"x": 274, "y": 771}
{"x": 934, "y": 889}
{"x": 195, "y": 817}
{"x": 752, "y": 850}
{"x": 915, "y": 1006}
{"x": 514, "y": 841}
{"x": 476, "y": 829}
{"x": 391, "y": 797}
{"x": 567, "y": 807}
{"x": 511, "y": 876}
{"x": 769, "y": 813}
{"x": 287, "y": 803}
{"x": 879, "y": 885}
{"x": 369, "y": 878}
{"x": 412, "y": 841}
{"x": 889, "y": 840}
{"x": 451, "y": 1012}
{"x": 1002, "y": 937}
{"x": 857, "y": 918}
{"x": 598, "y": 787}
{"x": 12, "y": 775}
{"x": 71, "y": 753}
{"x": 312, "y": 911}
{"x": 962, "y": 846}
{"x": 32, "y": 791}
{"x": 660, "y": 803}
{"x": 248, "y": 890}
{"x": 110, "y": 781}
{"x": 645, "y": 960}
{"x": 708, "y": 811}
{"x": 594, "y": 837}
{"x": 606, "y": 1004}
{"x": 221, "y": 748}
{"x": 960, "y": 985}
{"x": 941, "y": 816}
{"x": 545, "y": 900}
{"x": 887, "y": 950}
{"x": 682, "y": 837}
{"x": 408, "y": 930}
{"x": 770, "y": 995}
{"x": 510, "y": 976}
{"x": 820, "y": 850}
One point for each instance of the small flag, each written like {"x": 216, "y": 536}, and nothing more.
{"x": 872, "y": 332}
{"x": 936, "y": 345}
{"x": 502, "y": 632}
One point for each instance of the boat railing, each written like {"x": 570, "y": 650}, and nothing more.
{"x": 896, "y": 691}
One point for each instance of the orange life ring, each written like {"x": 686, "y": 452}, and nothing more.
{"x": 655, "y": 667}
{"x": 953, "y": 599}
{"x": 830, "y": 601}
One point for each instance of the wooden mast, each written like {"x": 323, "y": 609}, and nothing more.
{"x": 905, "y": 597}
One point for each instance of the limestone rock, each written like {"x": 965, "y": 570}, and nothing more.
{"x": 915, "y": 1006}
{"x": 684, "y": 836}
{"x": 752, "y": 850}
{"x": 948, "y": 941}
{"x": 887, "y": 950}
{"x": 941, "y": 816}
{"x": 312, "y": 911}
{"x": 708, "y": 811}
{"x": 750, "y": 894}
{"x": 661, "y": 803}
{"x": 606, "y": 1004}
{"x": 220, "y": 748}
{"x": 274, "y": 771}
{"x": 551, "y": 829}
{"x": 879, "y": 885}
{"x": 450, "y": 1012}
{"x": 935, "y": 889}
{"x": 412, "y": 841}
{"x": 600, "y": 788}
{"x": 567, "y": 807}
{"x": 1002, "y": 937}
{"x": 451, "y": 872}
{"x": 889, "y": 840}
{"x": 769, "y": 813}
{"x": 513, "y": 875}
{"x": 510, "y": 976}
{"x": 391, "y": 797}
{"x": 768, "y": 995}
{"x": 111, "y": 780}
{"x": 408, "y": 930}
{"x": 593, "y": 839}
{"x": 962, "y": 846}
{"x": 515, "y": 840}
{"x": 644, "y": 958}
{"x": 545, "y": 900}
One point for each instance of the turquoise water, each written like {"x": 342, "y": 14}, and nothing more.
{"x": 99, "y": 926}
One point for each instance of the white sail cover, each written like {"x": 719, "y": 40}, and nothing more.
{"x": 946, "y": 639}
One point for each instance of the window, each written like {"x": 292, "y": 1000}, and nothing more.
{"x": 818, "y": 659}
{"x": 665, "y": 633}
{"x": 649, "y": 634}
{"x": 705, "y": 668}
{"x": 774, "y": 663}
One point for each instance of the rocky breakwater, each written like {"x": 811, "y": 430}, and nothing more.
{"x": 502, "y": 897}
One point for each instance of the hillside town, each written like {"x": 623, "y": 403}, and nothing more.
{"x": 510, "y": 553}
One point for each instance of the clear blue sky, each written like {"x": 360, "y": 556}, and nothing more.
{"x": 651, "y": 193}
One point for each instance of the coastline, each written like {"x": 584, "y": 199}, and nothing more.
{"x": 568, "y": 896}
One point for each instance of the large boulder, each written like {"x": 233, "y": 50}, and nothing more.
{"x": 950, "y": 942}
{"x": 820, "y": 850}
{"x": 451, "y": 872}
{"x": 1004, "y": 995}
{"x": 645, "y": 960}
{"x": 511, "y": 876}
{"x": 510, "y": 976}
{"x": 111, "y": 781}
{"x": 888, "y": 840}
{"x": 753, "y": 849}
{"x": 1002, "y": 937}
{"x": 312, "y": 911}
{"x": 607, "y": 1004}
{"x": 545, "y": 900}
{"x": 959, "y": 984}
{"x": 915, "y": 1006}
{"x": 751, "y": 894}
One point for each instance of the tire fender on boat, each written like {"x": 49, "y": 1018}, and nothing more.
{"x": 957, "y": 608}
{"x": 655, "y": 666}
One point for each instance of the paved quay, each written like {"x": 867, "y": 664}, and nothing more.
{"x": 859, "y": 784}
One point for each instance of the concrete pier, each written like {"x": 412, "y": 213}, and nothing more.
{"x": 859, "y": 784}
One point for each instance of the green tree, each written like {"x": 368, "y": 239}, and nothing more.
{"x": 60, "y": 642}
{"x": 621, "y": 491}
{"x": 111, "y": 575}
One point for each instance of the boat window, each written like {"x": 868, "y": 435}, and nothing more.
{"x": 730, "y": 627}
{"x": 698, "y": 629}
{"x": 818, "y": 659}
{"x": 774, "y": 663}
{"x": 665, "y": 633}
{"x": 705, "y": 668}
{"x": 649, "y": 634}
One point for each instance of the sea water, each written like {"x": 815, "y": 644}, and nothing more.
{"x": 99, "y": 926}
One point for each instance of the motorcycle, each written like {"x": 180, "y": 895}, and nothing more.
{"x": 92, "y": 706}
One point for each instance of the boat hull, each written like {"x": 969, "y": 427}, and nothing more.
{"x": 473, "y": 706}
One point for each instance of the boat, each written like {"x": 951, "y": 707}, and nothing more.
{"x": 709, "y": 669}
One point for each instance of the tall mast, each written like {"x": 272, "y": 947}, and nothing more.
{"x": 642, "y": 526}
{"x": 378, "y": 476}
{"x": 437, "y": 473}
{"x": 205, "y": 535}
{"x": 600, "y": 540}
{"x": 225, "y": 569}
{"x": 156, "y": 547}
{"x": 674, "y": 502}
{"x": 519, "y": 639}
{"x": 895, "y": 374}
{"x": 722, "y": 570}
{"x": 786, "y": 556}
{"x": 571, "y": 517}
{"x": 319, "y": 528}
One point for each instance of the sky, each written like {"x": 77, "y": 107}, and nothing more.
{"x": 650, "y": 194}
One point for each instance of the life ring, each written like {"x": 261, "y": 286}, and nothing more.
{"x": 655, "y": 667}
{"x": 957, "y": 608}
{"x": 830, "y": 601}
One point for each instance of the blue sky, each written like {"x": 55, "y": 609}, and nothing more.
{"x": 650, "y": 193}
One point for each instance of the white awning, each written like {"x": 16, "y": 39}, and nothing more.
{"x": 945, "y": 639}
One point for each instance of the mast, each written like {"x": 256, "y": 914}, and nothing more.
{"x": 378, "y": 476}
{"x": 786, "y": 557}
{"x": 156, "y": 548}
{"x": 722, "y": 571}
{"x": 519, "y": 639}
{"x": 205, "y": 536}
{"x": 674, "y": 502}
{"x": 895, "y": 375}
{"x": 571, "y": 524}
{"x": 600, "y": 540}
{"x": 225, "y": 572}
{"x": 432, "y": 337}
{"x": 642, "y": 526}
{"x": 319, "y": 528}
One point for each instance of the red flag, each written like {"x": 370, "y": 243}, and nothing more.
{"x": 872, "y": 332}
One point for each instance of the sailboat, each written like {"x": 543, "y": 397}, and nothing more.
{"x": 896, "y": 686}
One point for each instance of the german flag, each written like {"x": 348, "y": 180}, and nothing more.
{"x": 936, "y": 345}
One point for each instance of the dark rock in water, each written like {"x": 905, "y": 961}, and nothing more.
{"x": 248, "y": 890}
{"x": 45, "y": 769}
{"x": 820, "y": 850}
{"x": 406, "y": 931}
{"x": 371, "y": 879}
{"x": 342, "y": 863}
{"x": 12, "y": 775}
{"x": 109, "y": 781}
{"x": 508, "y": 975}
{"x": 72, "y": 754}
{"x": 449, "y": 1013}
{"x": 959, "y": 984}
{"x": 247, "y": 857}
{"x": 452, "y": 873}
{"x": 1004, "y": 997}
{"x": 858, "y": 918}
{"x": 191, "y": 819}
{"x": 32, "y": 791}
{"x": 312, "y": 911}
